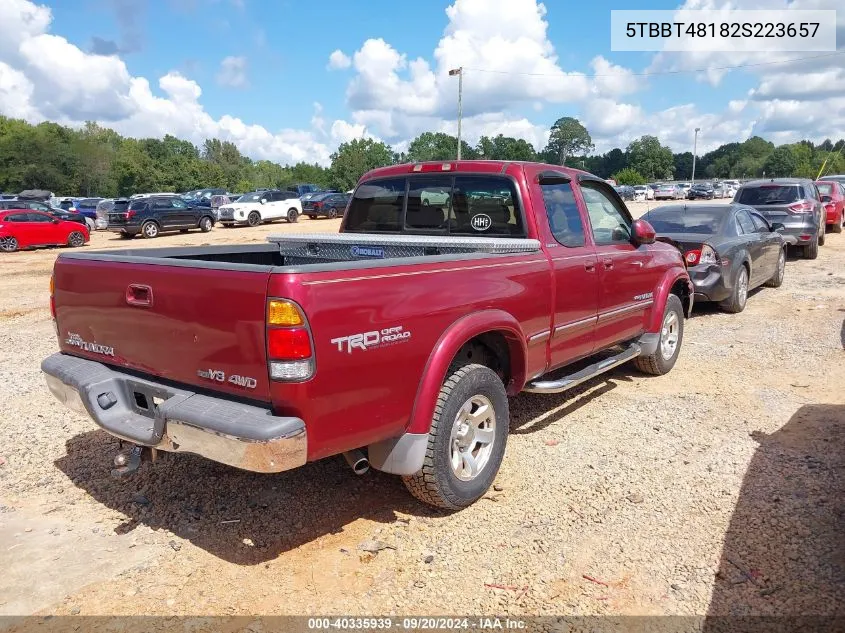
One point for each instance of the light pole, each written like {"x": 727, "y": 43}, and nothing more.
{"x": 694, "y": 148}
{"x": 460, "y": 73}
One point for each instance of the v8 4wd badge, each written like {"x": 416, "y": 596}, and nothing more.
{"x": 218, "y": 375}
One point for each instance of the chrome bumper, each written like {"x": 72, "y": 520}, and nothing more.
{"x": 177, "y": 420}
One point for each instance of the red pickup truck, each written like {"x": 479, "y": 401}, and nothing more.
{"x": 450, "y": 287}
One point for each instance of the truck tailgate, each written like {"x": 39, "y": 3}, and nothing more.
{"x": 202, "y": 327}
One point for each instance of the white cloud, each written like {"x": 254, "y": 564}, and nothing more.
{"x": 232, "y": 73}
{"x": 339, "y": 60}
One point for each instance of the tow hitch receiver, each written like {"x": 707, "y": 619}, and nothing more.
{"x": 127, "y": 463}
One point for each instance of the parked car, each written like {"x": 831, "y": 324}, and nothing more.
{"x": 668, "y": 192}
{"x": 626, "y": 192}
{"x": 28, "y": 229}
{"x": 153, "y": 215}
{"x": 341, "y": 344}
{"x": 221, "y": 200}
{"x": 67, "y": 216}
{"x": 643, "y": 192}
{"x": 840, "y": 178}
{"x": 832, "y": 196}
{"x": 106, "y": 206}
{"x": 88, "y": 207}
{"x": 329, "y": 205}
{"x": 43, "y": 207}
{"x": 311, "y": 195}
{"x": 261, "y": 206}
{"x": 68, "y": 204}
{"x": 701, "y": 191}
{"x": 302, "y": 189}
{"x": 793, "y": 202}
{"x": 729, "y": 249}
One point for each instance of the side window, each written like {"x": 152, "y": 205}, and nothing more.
{"x": 745, "y": 223}
{"x": 178, "y": 204}
{"x": 610, "y": 224}
{"x": 760, "y": 224}
{"x": 562, "y": 211}
{"x": 17, "y": 217}
{"x": 38, "y": 217}
{"x": 160, "y": 203}
{"x": 377, "y": 207}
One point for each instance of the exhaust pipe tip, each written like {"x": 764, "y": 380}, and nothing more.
{"x": 357, "y": 461}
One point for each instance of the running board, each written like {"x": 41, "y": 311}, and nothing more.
{"x": 567, "y": 382}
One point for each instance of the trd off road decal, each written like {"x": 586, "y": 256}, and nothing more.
{"x": 95, "y": 348}
{"x": 371, "y": 340}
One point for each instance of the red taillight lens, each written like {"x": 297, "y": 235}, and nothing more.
{"x": 692, "y": 257}
{"x": 288, "y": 344}
{"x": 800, "y": 207}
{"x": 318, "y": 204}
{"x": 129, "y": 214}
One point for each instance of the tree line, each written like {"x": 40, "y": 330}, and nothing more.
{"x": 95, "y": 160}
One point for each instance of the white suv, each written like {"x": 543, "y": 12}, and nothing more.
{"x": 261, "y": 206}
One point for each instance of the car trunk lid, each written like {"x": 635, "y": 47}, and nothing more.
{"x": 187, "y": 324}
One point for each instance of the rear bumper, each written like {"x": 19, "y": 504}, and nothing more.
{"x": 177, "y": 420}
{"x": 709, "y": 283}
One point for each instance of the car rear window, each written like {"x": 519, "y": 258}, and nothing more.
{"x": 451, "y": 205}
{"x": 685, "y": 220}
{"x": 769, "y": 194}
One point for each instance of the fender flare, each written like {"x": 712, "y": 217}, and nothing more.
{"x": 662, "y": 292}
{"x": 461, "y": 331}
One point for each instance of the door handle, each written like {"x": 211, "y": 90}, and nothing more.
{"x": 139, "y": 295}
{"x": 608, "y": 263}
{"x": 637, "y": 264}
{"x": 590, "y": 266}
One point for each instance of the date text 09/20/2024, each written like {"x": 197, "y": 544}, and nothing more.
{"x": 415, "y": 623}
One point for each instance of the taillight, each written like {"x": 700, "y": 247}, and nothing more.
{"x": 318, "y": 205}
{"x": 129, "y": 214}
{"x": 704, "y": 255}
{"x": 290, "y": 354}
{"x": 800, "y": 207}
{"x": 692, "y": 257}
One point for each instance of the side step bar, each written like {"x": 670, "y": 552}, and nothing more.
{"x": 567, "y": 382}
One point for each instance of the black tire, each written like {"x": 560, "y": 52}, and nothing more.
{"x": 836, "y": 227}
{"x": 206, "y": 224}
{"x": 9, "y": 244}
{"x": 776, "y": 280}
{"x": 739, "y": 297}
{"x": 811, "y": 250}
{"x": 76, "y": 239}
{"x": 293, "y": 216}
{"x": 254, "y": 218}
{"x": 332, "y": 214}
{"x": 149, "y": 229}
{"x": 822, "y": 237}
{"x": 659, "y": 363}
{"x": 437, "y": 483}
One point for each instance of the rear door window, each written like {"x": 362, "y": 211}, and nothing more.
{"x": 562, "y": 211}
{"x": 485, "y": 205}
{"x": 745, "y": 223}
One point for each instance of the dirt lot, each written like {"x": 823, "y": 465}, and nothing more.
{"x": 715, "y": 489}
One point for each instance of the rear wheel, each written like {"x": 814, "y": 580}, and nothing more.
{"x": 332, "y": 214}
{"x": 777, "y": 279}
{"x": 736, "y": 302}
{"x": 8, "y": 244}
{"x": 467, "y": 439}
{"x": 811, "y": 250}
{"x": 206, "y": 224}
{"x": 254, "y": 218}
{"x": 76, "y": 239}
{"x": 149, "y": 230}
{"x": 293, "y": 215}
{"x": 669, "y": 345}
{"x": 837, "y": 226}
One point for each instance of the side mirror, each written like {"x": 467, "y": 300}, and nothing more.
{"x": 56, "y": 221}
{"x": 263, "y": 200}
{"x": 826, "y": 199}
{"x": 643, "y": 232}
{"x": 777, "y": 227}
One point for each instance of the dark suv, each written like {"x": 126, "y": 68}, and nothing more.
{"x": 793, "y": 202}
{"x": 701, "y": 190}
{"x": 151, "y": 215}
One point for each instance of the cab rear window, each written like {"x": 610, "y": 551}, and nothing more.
{"x": 437, "y": 205}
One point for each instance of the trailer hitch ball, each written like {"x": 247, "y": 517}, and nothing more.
{"x": 127, "y": 462}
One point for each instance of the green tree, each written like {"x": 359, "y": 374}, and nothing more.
{"x": 353, "y": 159}
{"x": 629, "y": 176}
{"x": 780, "y": 163}
{"x": 567, "y": 137}
{"x": 437, "y": 146}
{"x": 682, "y": 164}
{"x": 651, "y": 159}
{"x": 502, "y": 147}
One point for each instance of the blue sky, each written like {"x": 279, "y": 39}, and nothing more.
{"x": 257, "y": 72}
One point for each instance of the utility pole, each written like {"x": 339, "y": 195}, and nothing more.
{"x": 694, "y": 149}
{"x": 460, "y": 73}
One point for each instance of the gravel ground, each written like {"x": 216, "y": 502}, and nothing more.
{"x": 717, "y": 489}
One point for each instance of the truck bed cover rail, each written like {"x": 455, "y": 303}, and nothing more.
{"x": 355, "y": 246}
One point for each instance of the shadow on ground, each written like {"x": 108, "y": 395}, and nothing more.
{"x": 784, "y": 551}
{"x": 217, "y": 507}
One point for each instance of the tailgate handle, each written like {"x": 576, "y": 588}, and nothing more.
{"x": 139, "y": 295}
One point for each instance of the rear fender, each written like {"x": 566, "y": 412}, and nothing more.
{"x": 662, "y": 292}
{"x": 447, "y": 346}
